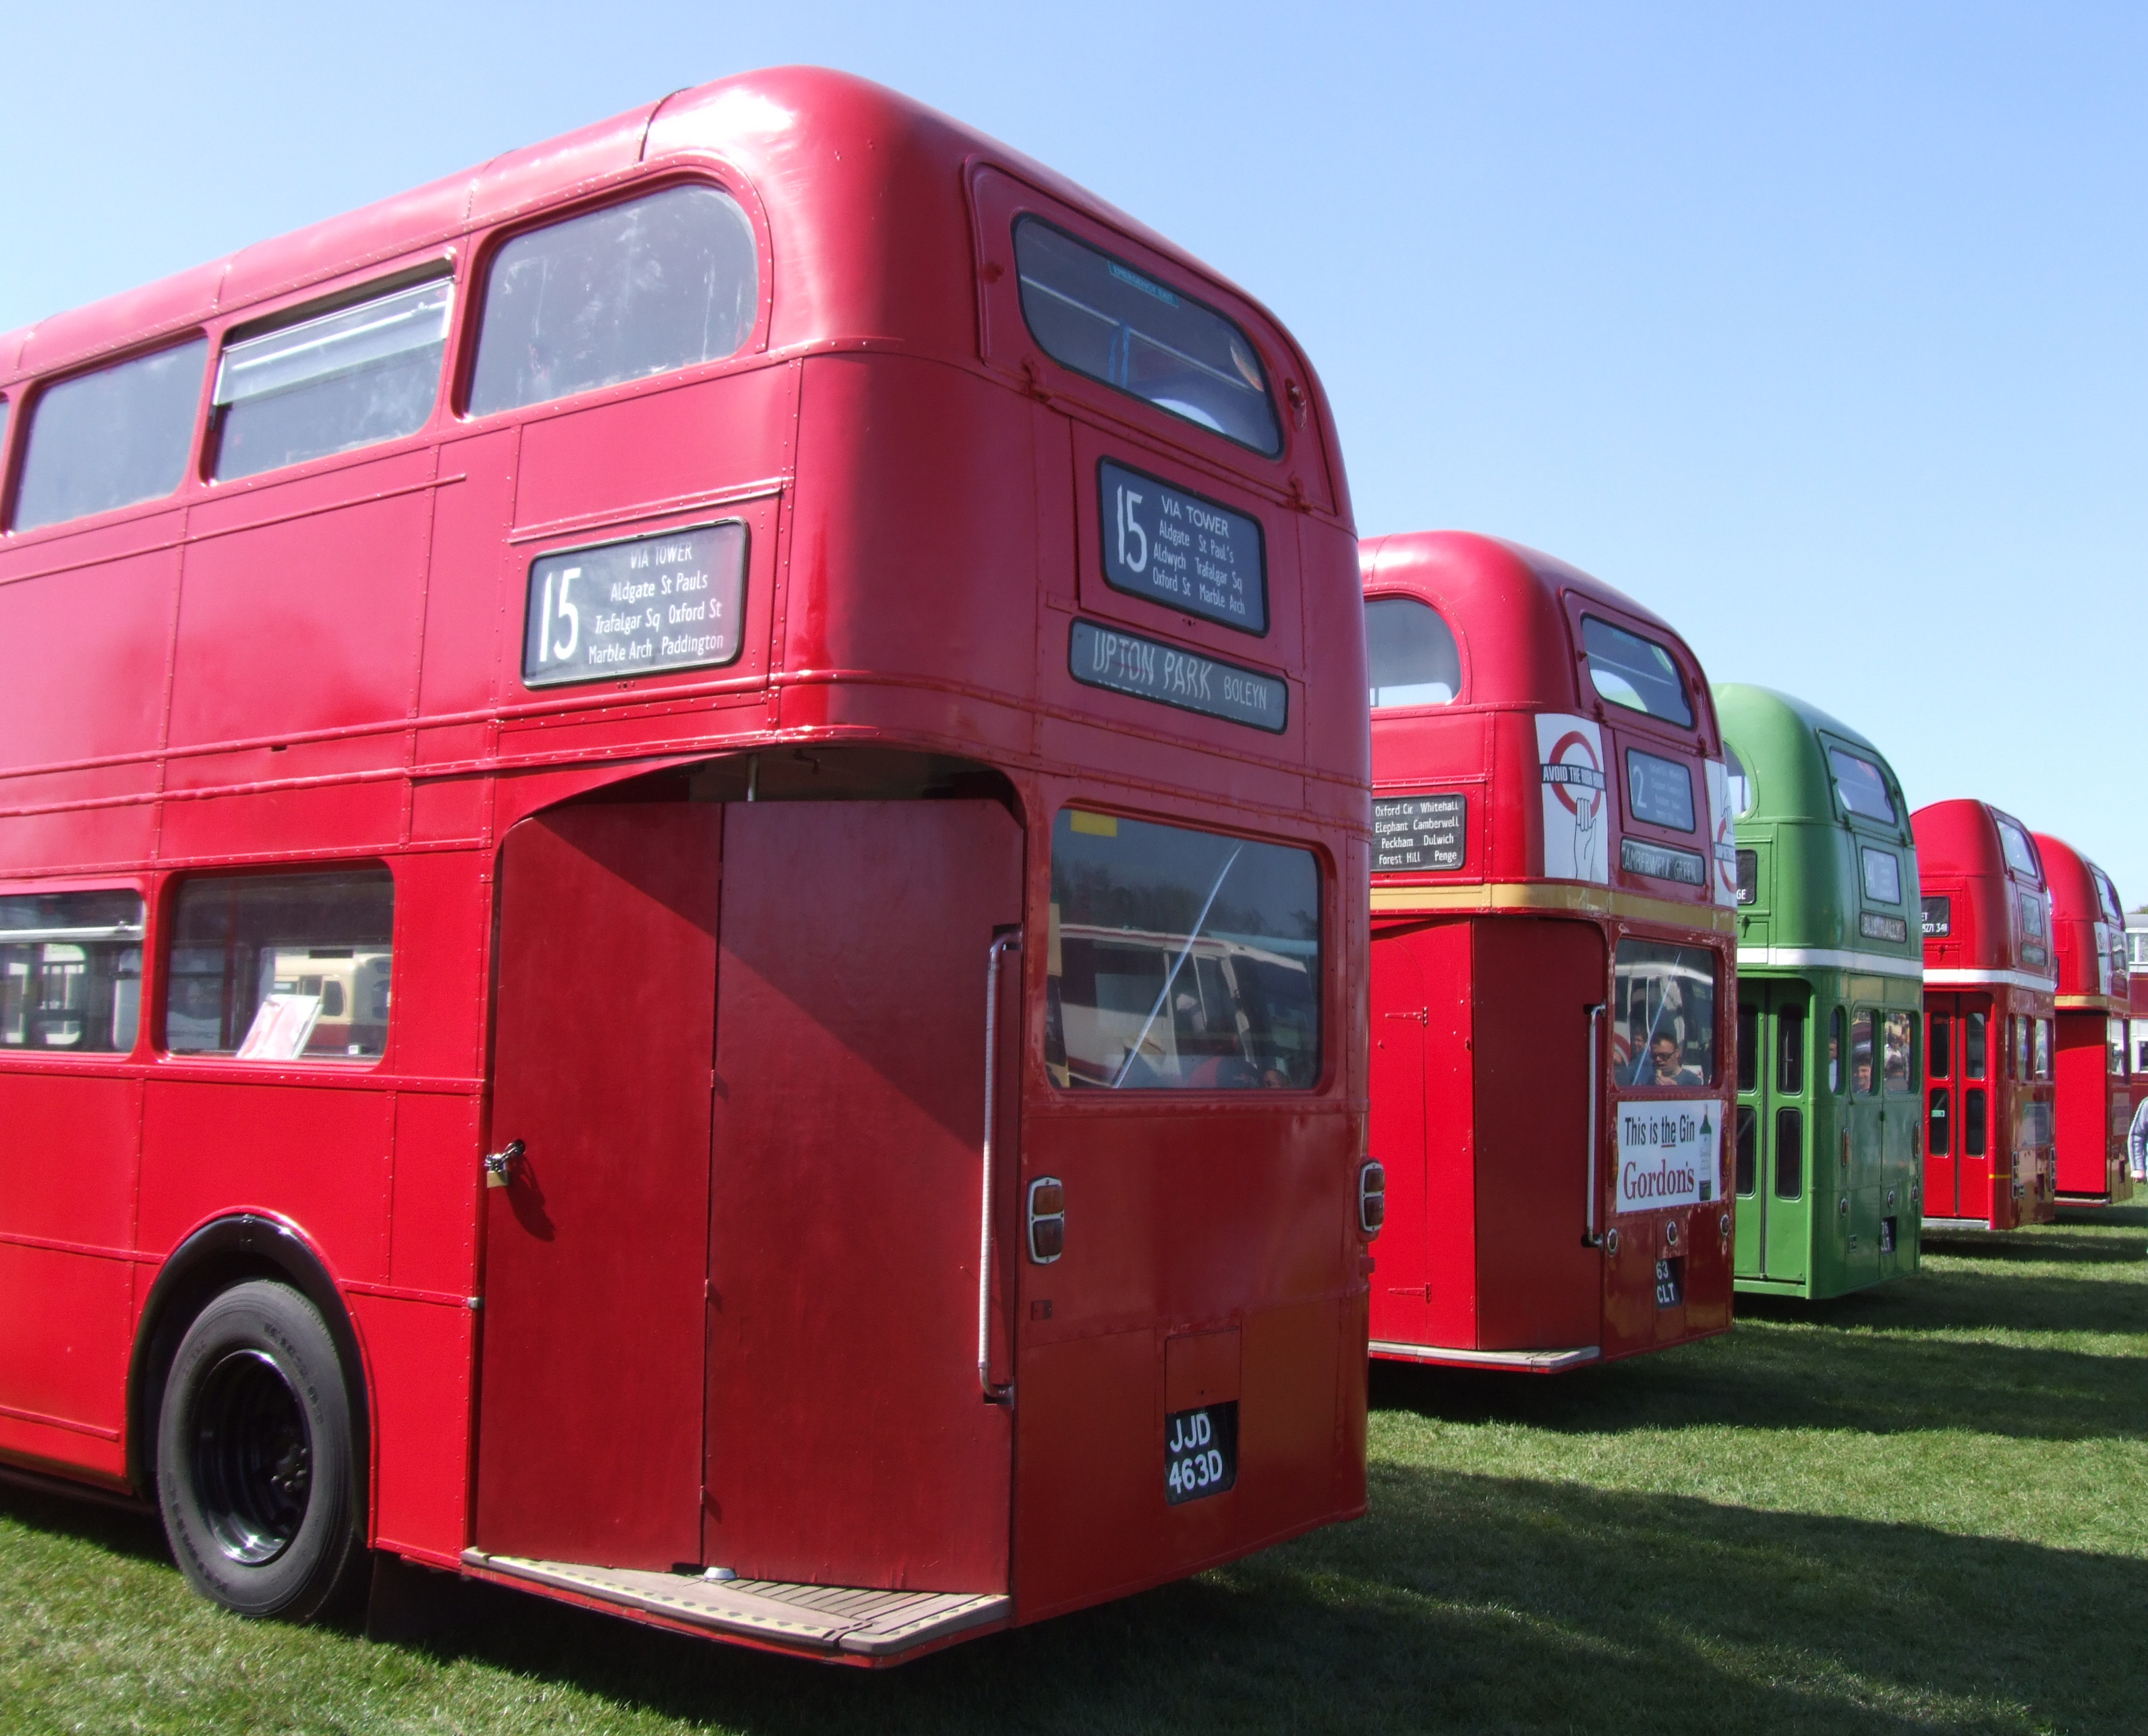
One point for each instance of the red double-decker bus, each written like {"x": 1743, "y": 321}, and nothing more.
{"x": 2093, "y": 1087}
{"x": 1989, "y": 984}
{"x": 683, "y": 835}
{"x": 1552, "y": 975}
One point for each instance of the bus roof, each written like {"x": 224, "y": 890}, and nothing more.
{"x": 830, "y": 157}
{"x": 1502, "y": 602}
{"x": 1961, "y": 837}
{"x": 1783, "y": 742}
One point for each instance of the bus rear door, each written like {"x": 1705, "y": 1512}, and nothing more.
{"x": 1774, "y": 1128}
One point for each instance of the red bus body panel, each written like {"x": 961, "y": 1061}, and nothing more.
{"x": 1991, "y": 963}
{"x": 2096, "y": 1092}
{"x": 321, "y": 664}
{"x": 1498, "y": 1248}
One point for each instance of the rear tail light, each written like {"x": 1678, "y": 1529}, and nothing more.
{"x": 1047, "y": 1220}
{"x": 1371, "y": 1198}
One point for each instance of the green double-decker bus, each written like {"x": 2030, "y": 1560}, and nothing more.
{"x": 1830, "y": 987}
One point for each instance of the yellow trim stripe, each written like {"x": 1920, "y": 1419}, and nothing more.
{"x": 1567, "y": 899}
{"x": 2095, "y": 1003}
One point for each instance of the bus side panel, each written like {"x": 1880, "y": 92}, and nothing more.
{"x": 2083, "y": 1068}
{"x": 344, "y": 624}
{"x": 316, "y": 1155}
{"x": 69, "y": 1180}
{"x": 466, "y": 615}
{"x": 45, "y": 714}
{"x": 418, "y": 1356}
{"x": 1543, "y": 1284}
{"x": 918, "y": 472}
{"x": 1454, "y": 1273}
{"x": 1400, "y": 1016}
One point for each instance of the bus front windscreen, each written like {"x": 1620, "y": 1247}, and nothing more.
{"x": 1180, "y": 959}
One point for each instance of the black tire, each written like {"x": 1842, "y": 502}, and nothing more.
{"x": 256, "y": 1473}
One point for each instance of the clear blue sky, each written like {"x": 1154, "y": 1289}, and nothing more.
{"x": 1818, "y": 328}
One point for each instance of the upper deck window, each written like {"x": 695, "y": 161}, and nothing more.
{"x": 1101, "y": 318}
{"x": 658, "y": 283}
{"x": 1883, "y": 876}
{"x": 1180, "y": 959}
{"x": 1411, "y": 653}
{"x": 109, "y": 438}
{"x": 1634, "y": 672}
{"x": 2021, "y": 853}
{"x": 348, "y": 379}
{"x": 1862, "y": 785}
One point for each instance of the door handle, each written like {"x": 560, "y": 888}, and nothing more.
{"x": 1007, "y": 939}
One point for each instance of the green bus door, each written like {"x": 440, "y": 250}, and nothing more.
{"x": 1774, "y": 1133}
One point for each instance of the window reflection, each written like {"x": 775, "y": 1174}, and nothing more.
{"x": 1180, "y": 959}
{"x": 1663, "y": 1014}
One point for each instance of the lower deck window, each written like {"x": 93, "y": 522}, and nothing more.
{"x": 71, "y": 971}
{"x": 1664, "y": 1008}
{"x": 1181, "y": 960}
{"x": 282, "y": 966}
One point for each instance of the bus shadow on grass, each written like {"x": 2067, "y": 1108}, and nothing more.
{"x": 1786, "y": 1377}
{"x": 1467, "y": 1603}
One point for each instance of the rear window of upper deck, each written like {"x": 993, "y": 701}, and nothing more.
{"x": 2021, "y": 853}
{"x": 1410, "y": 653}
{"x": 1101, "y": 318}
{"x": 1634, "y": 672}
{"x": 1862, "y": 785}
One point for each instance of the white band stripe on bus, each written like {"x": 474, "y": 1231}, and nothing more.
{"x": 1827, "y": 958}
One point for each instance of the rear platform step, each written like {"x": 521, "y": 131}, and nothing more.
{"x": 1533, "y": 1362}
{"x": 824, "y": 1618}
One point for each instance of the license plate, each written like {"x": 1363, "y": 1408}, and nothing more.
{"x": 1670, "y": 1282}
{"x": 1200, "y": 1451}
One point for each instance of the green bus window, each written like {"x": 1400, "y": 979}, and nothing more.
{"x": 1897, "y": 1051}
{"x": 1935, "y": 1140}
{"x": 1738, "y": 786}
{"x": 1748, "y": 877}
{"x": 1860, "y": 1053}
{"x": 1972, "y": 1046}
{"x": 1748, "y": 1046}
{"x": 1789, "y": 1153}
{"x": 1790, "y": 1052}
{"x": 1411, "y": 653}
{"x": 1862, "y": 787}
{"x": 1883, "y": 876}
{"x": 1939, "y": 1046}
{"x": 1634, "y": 672}
{"x": 1835, "y": 1054}
{"x": 1972, "y": 1123}
{"x": 1749, "y": 1128}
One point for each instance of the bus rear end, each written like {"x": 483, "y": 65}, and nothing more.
{"x": 1552, "y": 968}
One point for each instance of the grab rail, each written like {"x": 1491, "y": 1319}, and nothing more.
{"x": 1008, "y": 940}
{"x": 1594, "y": 1013}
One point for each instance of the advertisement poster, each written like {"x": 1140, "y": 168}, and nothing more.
{"x": 1669, "y": 1153}
{"x": 1577, "y": 821}
{"x": 1723, "y": 832}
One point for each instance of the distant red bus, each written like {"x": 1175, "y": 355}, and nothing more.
{"x": 2095, "y": 1090}
{"x": 686, "y": 874}
{"x": 1552, "y": 975}
{"x": 1990, "y": 981}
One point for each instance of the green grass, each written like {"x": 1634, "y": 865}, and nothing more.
{"x": 1916, "y": 1509}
